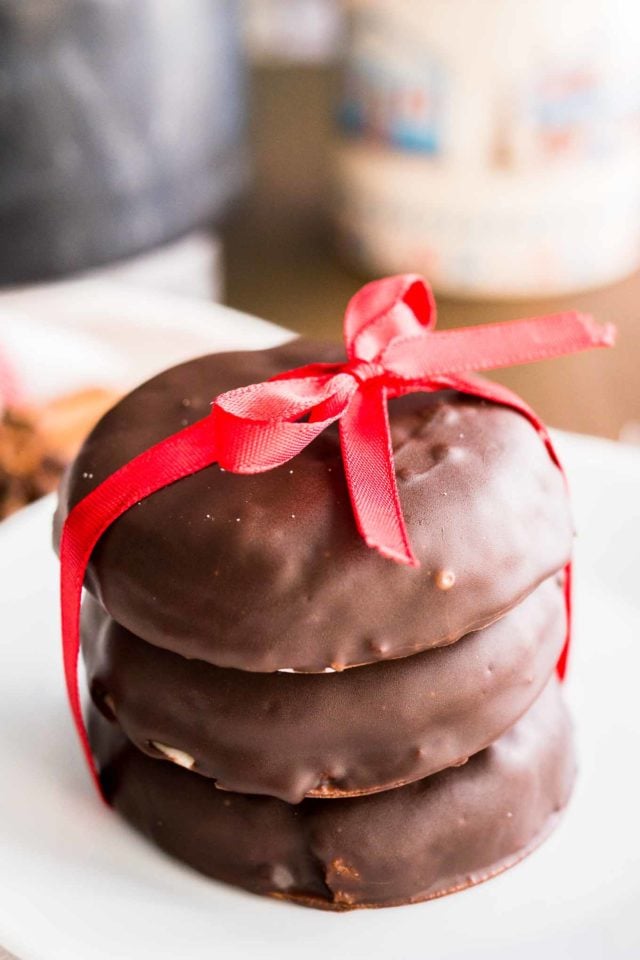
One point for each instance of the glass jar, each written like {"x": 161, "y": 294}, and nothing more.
{"x": 493, "y": 145}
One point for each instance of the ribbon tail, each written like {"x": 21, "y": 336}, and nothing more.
{"x": 178, "y": 456}
{"x": 493, "y": 345}
{"x": 368, "y": 462}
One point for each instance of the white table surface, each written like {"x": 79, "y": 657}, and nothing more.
{"x": 77, "y": 884}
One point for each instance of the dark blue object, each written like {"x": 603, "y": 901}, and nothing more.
{"x": 121, "y": 127}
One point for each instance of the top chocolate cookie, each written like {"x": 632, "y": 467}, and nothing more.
{"x": 268, "y": 572}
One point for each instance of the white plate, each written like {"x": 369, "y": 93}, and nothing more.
{"x": 62, "y": 337}
{"x": 78, "y": 884}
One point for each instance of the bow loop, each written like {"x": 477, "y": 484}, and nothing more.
{"x": 399, "y": 306}
{"x": 277, "y": 400}
{"x": 264, "y": 425}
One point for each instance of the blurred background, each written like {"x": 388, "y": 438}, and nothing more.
{"x": 160, "y": 156}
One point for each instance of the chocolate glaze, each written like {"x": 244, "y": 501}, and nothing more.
{"x": 268, "y": 572}
{"x": 429, "y": 838}
{"x": 329, "y": 735}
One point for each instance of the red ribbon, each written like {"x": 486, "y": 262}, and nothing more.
{"x": 392, "y": 350}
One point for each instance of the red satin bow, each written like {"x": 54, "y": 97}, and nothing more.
{"x": 392, "y": 350}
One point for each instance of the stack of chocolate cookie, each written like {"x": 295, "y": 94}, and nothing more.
{"x": 285, "y": 710}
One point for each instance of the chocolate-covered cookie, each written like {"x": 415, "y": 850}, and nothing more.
{"x": 268, "y": 572}
{"x": 424, "y": 840}
{"x": 330, "y": 735}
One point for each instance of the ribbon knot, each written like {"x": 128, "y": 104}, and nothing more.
{"x": 392, "y": 349}
{"x": 363, "y": 370}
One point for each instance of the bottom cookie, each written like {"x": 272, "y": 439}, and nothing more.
{"x": 433, "y": 837}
